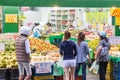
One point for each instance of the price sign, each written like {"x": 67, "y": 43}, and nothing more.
{"x": 2, "y": 47}
{"x": 114, "y": 40}
{"x": 44, "y": 67}
{"x": 11, "y": 18}
{"x": 115, "y": 12}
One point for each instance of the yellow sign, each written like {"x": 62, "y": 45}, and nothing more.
{"x": 22, "y": 17}
{"x": 11, "y": 18}
{"x": 117, "y": 21}
{"x": 115, "y": 12}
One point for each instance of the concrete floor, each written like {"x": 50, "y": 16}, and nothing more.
{"x": 91, "y": 76}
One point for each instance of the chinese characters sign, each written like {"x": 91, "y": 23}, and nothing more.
{"x": 116, "y": 12}
{"x": 11, "y": 18}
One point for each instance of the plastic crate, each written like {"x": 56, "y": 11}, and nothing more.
{"x": 116, "y": 69}
{"x": 2, "y": 74}
{"x": 87, "y": 40}
{"x": 58, "y": 71}
{"x": 14, "y": 74}
{"x": 116, "y": 77}
{"x": 55, "y": 38}
{"x": 73, "y": 39}
{"x": 50, "y": 77}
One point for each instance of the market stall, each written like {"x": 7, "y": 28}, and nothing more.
{"x": 42, "y": 60}
{"x": 48, "y": 55}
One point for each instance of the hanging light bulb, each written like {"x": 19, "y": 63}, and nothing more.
{"x": 56, "y": 8}
{"x": 87, "y": 10}
{"x": 100, "y": 9}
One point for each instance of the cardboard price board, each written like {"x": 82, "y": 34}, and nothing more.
{"x": 114, "y": 40}
{"x": 43, "y": 67}
{"x": 2, "y": 47}
{"x": 11, "y": 18}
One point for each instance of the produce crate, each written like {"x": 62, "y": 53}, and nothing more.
{"x": 116, "y": 69}
{"x": 73, "y": 39}
{"x": 87, "y": 40}
{"x": 116, "y": 77}
{"x": 55, "y": 39}
{"x": 14, "y": 74}
{"x": 41, "y": 69}
{"x": 50, "y": 77}
{"x": 91, "y": 54}
{"x": 4, "y": 74}
{"x": 58, "y": 70}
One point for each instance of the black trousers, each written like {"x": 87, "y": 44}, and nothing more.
{"x": 102, "y": 69}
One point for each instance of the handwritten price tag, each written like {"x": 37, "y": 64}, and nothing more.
{"x": 114, "y": 40}
{"x": 2, "y": 47}
{"x": 43, "y": 67}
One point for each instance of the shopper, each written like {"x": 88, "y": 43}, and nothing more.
{"x": 23, "y": 53}
{"x": 71, "y": 27}
{"x": 83, "y": 51}
{"x": 69, "y": 51}
{"x": 102, "y": 60}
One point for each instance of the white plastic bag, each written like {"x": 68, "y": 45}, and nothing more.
{"x": 95, "y": 67}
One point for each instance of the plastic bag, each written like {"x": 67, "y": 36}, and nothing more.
{"x": 95, "y": 67}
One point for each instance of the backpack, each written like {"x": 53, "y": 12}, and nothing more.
{"x": 104, "y": 51}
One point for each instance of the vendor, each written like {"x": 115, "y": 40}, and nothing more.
{"x": 37, "y": 31}
{"x": 71, "y": 27}
{"x": 48, "y": 28}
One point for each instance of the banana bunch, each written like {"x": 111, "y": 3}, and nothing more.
{"x": 93, "y": 44}
{"x": 8, "y": 60}
{"x": 9, "y": 44}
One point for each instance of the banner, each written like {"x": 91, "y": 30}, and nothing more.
{"x": 11, "y": 18}
{"x": 97, "y": 17}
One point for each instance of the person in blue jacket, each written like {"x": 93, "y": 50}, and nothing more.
{"x": 69, "y": 51}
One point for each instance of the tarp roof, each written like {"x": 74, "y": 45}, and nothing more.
{"x": 61, "y": 3}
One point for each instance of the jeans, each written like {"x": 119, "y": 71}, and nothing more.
{"x": 102, "y": 70}
{"x": 83, "y": 70}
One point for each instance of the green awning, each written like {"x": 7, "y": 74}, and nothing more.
{"x": 61, "y": 3}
